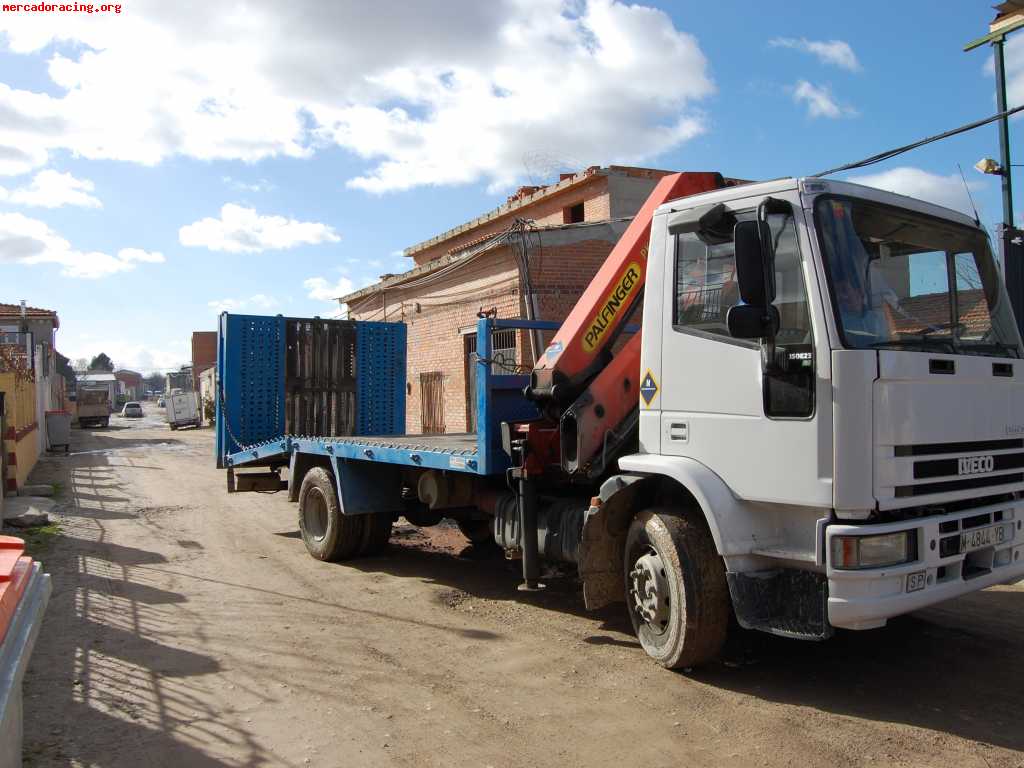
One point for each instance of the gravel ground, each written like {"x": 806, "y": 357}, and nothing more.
{"x": 189, "y": 628}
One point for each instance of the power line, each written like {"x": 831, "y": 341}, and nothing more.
{"x": 882, "y": 156}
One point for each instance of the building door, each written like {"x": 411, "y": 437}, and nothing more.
{"x": 432, "y": 402}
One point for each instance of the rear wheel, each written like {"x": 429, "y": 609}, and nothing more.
{"x": 676, "y": 592}
{"x": 376, "y": 533}
{"x": 326, "y": 532}
{"x": 477, "y": 531}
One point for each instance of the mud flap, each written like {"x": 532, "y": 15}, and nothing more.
{"x": 366, "y": 487}
{"x": 784, "y": 602}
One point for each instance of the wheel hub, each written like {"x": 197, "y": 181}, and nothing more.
{"x": 315, "y": 515}
{"x": 649, "y": 591}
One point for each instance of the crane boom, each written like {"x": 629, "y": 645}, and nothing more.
{"x": 581, "y": 348}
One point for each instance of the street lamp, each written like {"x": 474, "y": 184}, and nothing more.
{"x": 990, "y": 166}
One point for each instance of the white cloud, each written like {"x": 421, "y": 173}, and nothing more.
{"x": 835, "y": 52}
{"x": 320, "y": 289}
{"x": 258, "y": 186}
{"x": 51, "y": 189}
{"x": 444, "y": 92}
{"x": 242, "y": 230}
{"x": 29, "y": 241}
{"x": 820, "y": 101}
{"x": 256, "y": 301}
{"x": 914, "y": 182}
{"x": 1013, "y": 62}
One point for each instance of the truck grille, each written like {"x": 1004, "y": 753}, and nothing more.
{"x": 962, "y": 466}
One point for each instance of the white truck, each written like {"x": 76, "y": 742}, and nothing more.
{"x": 182, "y": 410}
{"x": 821, "y": 425}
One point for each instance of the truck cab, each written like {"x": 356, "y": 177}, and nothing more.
{"x": 831, "y": 378}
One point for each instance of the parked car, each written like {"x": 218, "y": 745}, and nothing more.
{"x": 132, "y": 410}
{"x": 161, "y": 403}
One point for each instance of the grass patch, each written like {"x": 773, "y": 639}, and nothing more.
{"x": 58, "y": 490}
{"x": 38, "y": 540}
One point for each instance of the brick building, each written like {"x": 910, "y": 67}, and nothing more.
{"x": 529, "y": 258}
{"x": 204, "y": 354}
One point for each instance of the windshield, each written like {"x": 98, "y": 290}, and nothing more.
{"x": 904, "y": 280}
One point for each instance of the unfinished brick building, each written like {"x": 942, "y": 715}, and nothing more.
{"x": 530, "y": 258}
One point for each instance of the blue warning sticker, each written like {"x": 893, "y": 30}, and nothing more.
{"x": 648, "y": 388}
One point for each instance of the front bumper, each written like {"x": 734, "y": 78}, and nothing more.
{"x": 864, "y": 599}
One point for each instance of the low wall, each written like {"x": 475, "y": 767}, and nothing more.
{"x": 21, "y": 437}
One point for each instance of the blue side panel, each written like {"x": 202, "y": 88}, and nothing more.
{"x": 498, "y": 397}
{"x": 380, "y": 378}
{"x": 251, "y": 354}
{"x": 220, "y": 434}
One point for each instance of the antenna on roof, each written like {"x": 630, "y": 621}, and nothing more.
{"x": 977, "y": 219}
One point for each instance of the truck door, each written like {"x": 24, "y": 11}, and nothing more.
{"x": 756, "y": 426}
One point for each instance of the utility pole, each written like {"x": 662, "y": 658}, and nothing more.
{"x": 1009, "y": 16}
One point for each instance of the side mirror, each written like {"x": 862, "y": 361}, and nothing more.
{"x": 747, "y": 321}
{"x": 756, "y": 317}
{"x": 755, "y": 262}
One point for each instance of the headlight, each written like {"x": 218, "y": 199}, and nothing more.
{"x": 874, "y": 551}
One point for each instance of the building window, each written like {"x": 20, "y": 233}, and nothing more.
{"x": 432, "y": 402}
{"x": 573, "y": 214}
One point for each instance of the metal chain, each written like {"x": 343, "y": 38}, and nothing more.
{"x": 224, "y": 419}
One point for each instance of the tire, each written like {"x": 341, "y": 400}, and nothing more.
{"x": 173, "y": 427}
{"x": 376, "y": 533}
{"x": 327, "y": 534}
{"x": 106, "y": 423}
{"x": 477, "y": 531}
{"x": 672, "y": 564}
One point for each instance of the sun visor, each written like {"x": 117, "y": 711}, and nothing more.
{"x": 712, "y": 223}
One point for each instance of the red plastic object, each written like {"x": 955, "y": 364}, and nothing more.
{"x": 15, "y": 570}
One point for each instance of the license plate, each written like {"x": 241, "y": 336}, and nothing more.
{"x": 915, "y": 581}
{"x": 980, "y": 538}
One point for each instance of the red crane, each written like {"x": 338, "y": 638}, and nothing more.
{"x": 589, "y": 393}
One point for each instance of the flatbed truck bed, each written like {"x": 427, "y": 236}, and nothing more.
{"x": 455, "y": 452}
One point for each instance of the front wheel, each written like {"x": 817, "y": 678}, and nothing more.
{"x": 676, "y": 592}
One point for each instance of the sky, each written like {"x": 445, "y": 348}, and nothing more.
{"x": 162, "y": 162}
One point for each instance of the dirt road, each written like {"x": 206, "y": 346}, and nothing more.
{"x": 189, "y": 628}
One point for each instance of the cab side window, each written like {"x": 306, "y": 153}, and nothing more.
{"x": 706, "y": 283}
{"x": 706, "y": 287}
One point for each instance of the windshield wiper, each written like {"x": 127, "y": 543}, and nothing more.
{"x": 1008, "y": 350}
{"x": 923, "y": 343}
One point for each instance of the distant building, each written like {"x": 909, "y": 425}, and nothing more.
{"x": 180, "y": 380}
{"x": 204, "y": 354}
{"x": 131, "y": 384}
{"x": 95, "y": 379}
{"x": 207, "y": 387}
{"x": 29, "y": 386}
{"x": 530, "y": 258}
